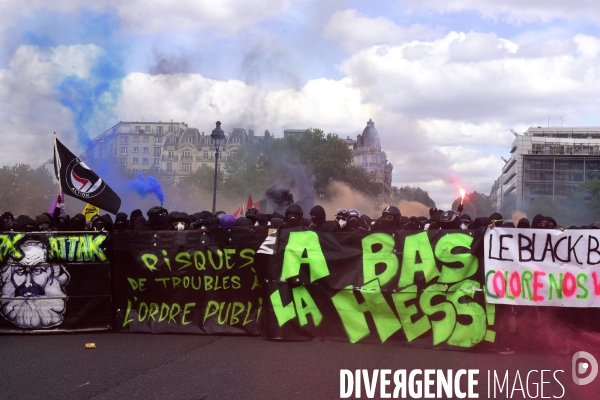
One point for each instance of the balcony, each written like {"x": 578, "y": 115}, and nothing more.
{"x": 167, "y": 158}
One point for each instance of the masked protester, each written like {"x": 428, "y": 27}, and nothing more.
{"x": 26, "y": 224}
{"x": 450, "y": 220}
{"x": 78, "y": 223}
{"x": 227, "y": 220}
{"x": 157, "y": 220}
{"x": 353, "y": 220}
{"x": 412, "y": 224}
{"x": 97, "y": 223}
{"x": 251, "y": 214}
{"x": 341, "y": 216}
{"x": 121, "y": 222}
{"x": 523, "y": 223}
{"x": 465, "y": 221}
{"x": 293, "y": 216}
{"x": 497, "y": 219}
{"x": 539, "y": 222}
{"x": 389, "y": 220}
{"x": 134, "y": 215}
{"x": 243, "y": 221}
{"x": 43, "y": 222}
{"x": 317, "y": 217}
{"x": 63, "y": 223}
{"x": 181, "y": 221}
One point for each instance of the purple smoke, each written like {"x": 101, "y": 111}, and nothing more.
{"x": 145, "y": 185}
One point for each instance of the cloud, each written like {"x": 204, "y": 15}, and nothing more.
{"x": 31, "y": 107}
{"x": 226, "y": 17}
{"x": 355, "y": 31}
{"x": 513, "y": 11}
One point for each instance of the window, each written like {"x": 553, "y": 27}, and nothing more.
{"x": 169, "y": 167}
{"x": 124, "y": 139}
{"x": 157, "y": 152}
{"x": 186, "y": 167}
{"x": 123, "y": 160}
{"x": 158, "y": 139}
{"x": 136, "y": 149}
{"x": 135, "y": 170}
{"x": 189, "y": 139}
{"x": 171, "y": 128}
{"x": 205, "y": 155}
{"x": 144, "y": 161}
{"x": 137, "y": 129}
{"x": 159, "y": 130}
{"x": 136, "y": 138}
{"x": 147, "y": 129}
{"x": 135, "y": 160}
{"x": 170, "y": 153}
{"x": 146, "y": 139}
{"x": 123, "y": 150}
{"x": 146, "y": 150}
{"x": 157, "y": 161}
{"x": 187, "y": 154}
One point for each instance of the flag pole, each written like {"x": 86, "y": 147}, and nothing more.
{"x": 56, "y": 165}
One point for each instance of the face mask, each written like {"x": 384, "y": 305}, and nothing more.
{"x": 426, "y": 227}
{"x": 180, "y": 226}
{"x": 464, "y": 227}
{"x": 45, "y": 226}
{"x": 342, "y": 223}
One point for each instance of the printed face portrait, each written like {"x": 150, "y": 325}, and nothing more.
{"x": 32, "y": 291}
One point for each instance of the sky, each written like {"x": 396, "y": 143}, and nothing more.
{"x": 444, "y": 82}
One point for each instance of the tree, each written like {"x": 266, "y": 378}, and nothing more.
{"x": 202, "y": 178}
{"x": 412, "y": 194}
{"x": 26, "y": 190}
{"x": 476, "y": 205}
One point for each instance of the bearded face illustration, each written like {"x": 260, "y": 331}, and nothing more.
{"x": 32, "y": 292}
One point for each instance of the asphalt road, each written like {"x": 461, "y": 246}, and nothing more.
{"x": 144, "y": 366}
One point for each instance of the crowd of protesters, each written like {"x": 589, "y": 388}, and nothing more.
{"x": 345, "y": 220}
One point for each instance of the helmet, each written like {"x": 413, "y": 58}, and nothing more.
{"x": 227, "y": 220}
{"x": 450, "y": 220}
{"x": 353, "y": 213}
{"x": 342, "y": 213}
{"x": 219, "y": 214}
{"x": 294, "y": 211}
{"x": 157, "y": 211}
{"x": 253, "y": 212}
{"x": 392, "y": 211}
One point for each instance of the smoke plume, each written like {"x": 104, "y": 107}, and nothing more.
{"x": 145, "y": 185}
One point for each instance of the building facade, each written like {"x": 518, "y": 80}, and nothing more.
{"x": 547, "y": 162}
{"x": 367, "y": 153}
{"x": 173, "y": 148}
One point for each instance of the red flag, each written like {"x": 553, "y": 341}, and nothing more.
{"x": 236, "y": 213}
{"x": 249, "y": 203}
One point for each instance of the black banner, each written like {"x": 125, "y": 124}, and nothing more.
{"x": 203, "y": 281}
{"x": 51, "y": 281}
{"x": 421, "y": 289}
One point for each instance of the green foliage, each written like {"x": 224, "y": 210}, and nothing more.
{"x": 412, "y": 194}
{"x": 312, "y": 158}
{"x": 476, "y": 205}
{"x": 26, "y": 190}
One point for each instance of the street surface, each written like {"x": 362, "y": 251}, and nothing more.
{"x": 145, "y": 366}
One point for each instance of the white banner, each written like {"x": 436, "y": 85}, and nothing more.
{"x": 542, "y": 267}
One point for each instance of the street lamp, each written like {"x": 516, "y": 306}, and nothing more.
{"x": 217, "y": 135}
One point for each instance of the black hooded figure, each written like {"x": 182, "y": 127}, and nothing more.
{"x": 63, "y": 223}
{"x": 78, "y": 223}
{"x": 318, "y": 220}
{"x": 497, "y": 219}
{"x": 523, "y": 223}
{"x": 133, "y": 216}
{"x": 389, "y": 220}
{"x": 539, "y": 222}
{"x": 121, "y": 222}
{"x": 450, "y": 220}
{"x": 293, "y": 215}
{"x": 157, "y": 220}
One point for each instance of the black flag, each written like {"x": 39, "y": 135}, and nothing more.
{"x": 79, "y": 181}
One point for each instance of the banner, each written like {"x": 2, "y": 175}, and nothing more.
{"x": 542, "y": 267}
{"x": 201, "y": 281}
{"x": 51, "y": 281}
{"x": 421, "y": 289}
